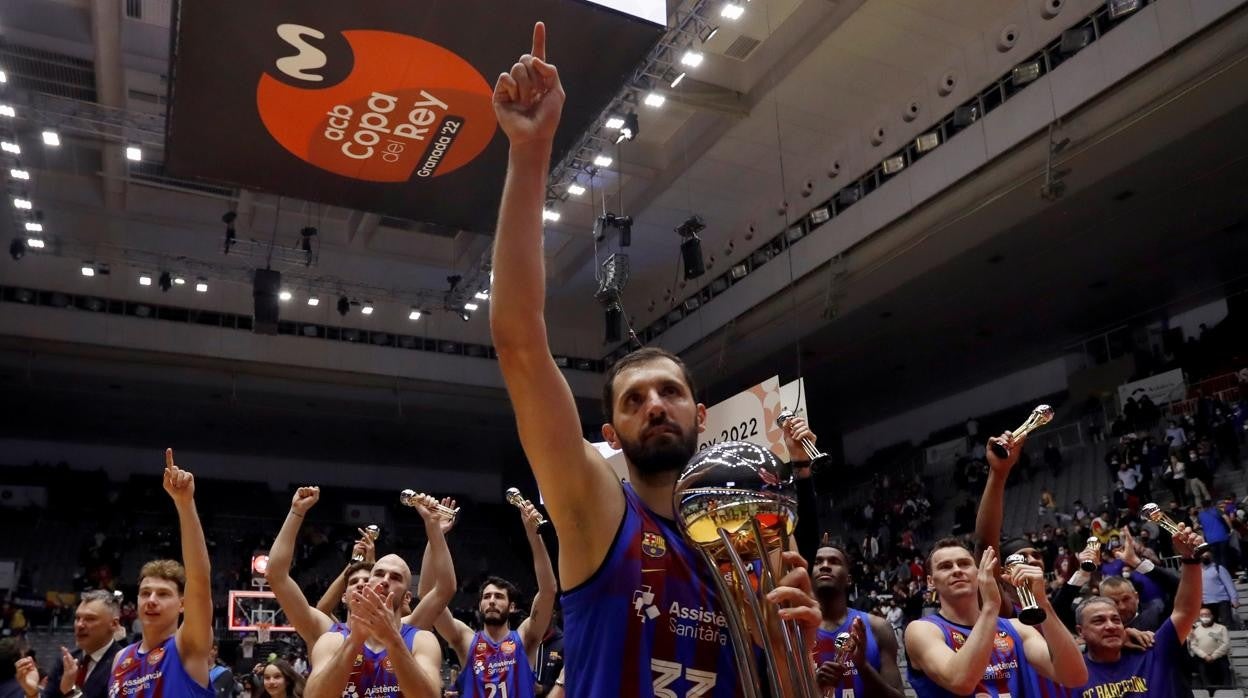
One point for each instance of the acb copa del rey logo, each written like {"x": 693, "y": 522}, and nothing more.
{"x": 408, "y": 110}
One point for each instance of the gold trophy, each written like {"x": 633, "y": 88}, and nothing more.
{"x": 1043, "y": 414}
{"x": 1153, "y": 513}
{"x": 733, "y": 507}
{"x": 518, "y": 501}
{"x": 1092, "y": 546}
{"x": 411, "y": 498}
{"x": 818, "y": 459}
{"x": 1031, "y": 613}
{"x": 373, "y": 531}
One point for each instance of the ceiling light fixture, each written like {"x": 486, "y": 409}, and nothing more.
{"x": 603, "y": 161}
{"x": 731, "y": 10}
{"x": 614, "y": 122}
{"x": 201, "y": 285}
{"x": 11, "y": 147}
{"x": 23, "y": 204}
{"x": 134, "y": 153}
{"x": 575, "y": 189}
{"x": 88, "y": 269}
{"x": 678, "y": 79}
{"x": 692, "y": 58}
{"x": 6, "y": 110}
{"x": 414, "y": 315}
{"x": 552, "y": 216}
{"x": 51, "y": 138}
{"x": 482, "y": 295}
{"x": 654, "y": 99}
{"x": 285, "y": 296}
{"x": 145, "y": 280}
{"x": 33, "y": 227}
{"x": 35, "y": 243}
{"x": 314, "y": 301}
{"x": 471, "y": 307}
{"x": 15, "y": 173}
{"x": 366, "y": 309}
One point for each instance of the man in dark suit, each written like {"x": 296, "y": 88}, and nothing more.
{"x": 86, "y": 669}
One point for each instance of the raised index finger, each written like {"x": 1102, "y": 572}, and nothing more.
{"x": 169, "y": 459}
{"x": 539, "y": 41}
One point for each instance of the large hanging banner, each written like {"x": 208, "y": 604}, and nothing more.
{"x": 1162, "y": 388}
{"x": 384, "y": 105}
{"x": 747, "y": 416}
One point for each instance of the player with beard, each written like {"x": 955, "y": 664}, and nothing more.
{"x": 310, "y": 622}
{"x": 642, "y": 613}
{"x": 873, "y": 668}
{"x": 377, "y": 654}
{"x": 498, "y": 660}
{"x": 967, "y": 650}
{"x": 170, "y": 660}
{"x": 1114, "y": 669}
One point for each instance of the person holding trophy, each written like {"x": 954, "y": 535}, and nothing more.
{"x": 866, "y": 664}
{"x": 643, "y": 615}
{"x": 968, "y": 650}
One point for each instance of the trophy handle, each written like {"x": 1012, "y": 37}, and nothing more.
{"x": 741, "y": 573}
{"x": 796, "y": 657}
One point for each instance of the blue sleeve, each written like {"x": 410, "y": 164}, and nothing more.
{"x": 1228, "y": 583}
{"x": 1166, "y": 642}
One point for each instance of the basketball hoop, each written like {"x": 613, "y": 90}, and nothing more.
{"x": 263, "y": 631}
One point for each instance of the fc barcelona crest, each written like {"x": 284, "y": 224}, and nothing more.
{"x": 508, "y": 647}
{"x": 653, "y": 545}
{"x": 155, "y": 656}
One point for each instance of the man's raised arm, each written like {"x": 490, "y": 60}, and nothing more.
{"x": 309, "y": 622}
{"x": 534, "y": 628}
{"x": 195, "y": 634}
{"x": 581, "y": 492}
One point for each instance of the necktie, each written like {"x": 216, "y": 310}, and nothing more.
{"x": 83, "y": 666}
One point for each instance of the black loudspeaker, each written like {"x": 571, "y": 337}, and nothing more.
{"x": 691, "y": 257}
{"x": 265, "y": 287}
{"x": 614, "y": 315}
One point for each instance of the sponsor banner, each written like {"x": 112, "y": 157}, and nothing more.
{"x": 383, "y": 106}
{"x": 747, "y": 416}
{"x": 1161, "y": 388}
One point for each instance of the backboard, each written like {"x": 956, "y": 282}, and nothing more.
{"x": 248, "y": 608}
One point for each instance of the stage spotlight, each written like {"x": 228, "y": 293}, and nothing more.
{"x": 10, "y": 147}
{"x": 414, "y": 314}
{"x": 575, "y": 189}
{"x": 179, "y": 281}
{"x": 165, "y": 282}
{"x": 471, "y": 307}
{"x": 731, "y": 10}
{"x": 692, "y": 58}
{"x": 344, "y": 305}
{"x": 654, "y": 99}
{"x": 145, "y": 279}
{"x": 1075, "y": 40}
{"x": 1025, "y": 73}
{"x": 7, "y": 110}
{"x": 17, "y": 249}
{"x": 314, "y": 301}
{"x": 614, "y": 122}
{"x": 34, "y": 227}
{"x": 1122, "y": 8}
{"x": 21, "y": 174}
{"x": 51, "y": 138}
{"x": 87, "y": 269}
{"x": 927, "y": 142}
{"x": 284, "y": 296}
{"x": 603, "y": 161}
{"x": 895, "y": 164}
{"x": 367, "y": 308}
{"x": 201, "y": 285}
{"x": 22, "y": 204}
{"x": 134, "y": 153}
{"x": 848, "y": 196}
{"x": 482, "y": 295}
{"x": 35, "y": 243}
{"x": 550, "y": 215}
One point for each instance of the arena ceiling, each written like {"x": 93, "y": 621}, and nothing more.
{"x": 782, "y": 93}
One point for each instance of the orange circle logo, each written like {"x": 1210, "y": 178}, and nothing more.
{"x": 409, "y": 110}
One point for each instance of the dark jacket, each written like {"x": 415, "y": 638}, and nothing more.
{"x": 97, "y": 681}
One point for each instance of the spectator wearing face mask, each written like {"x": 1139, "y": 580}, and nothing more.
{"x": 1218, "y": 591}
{"x": 1210, "y": 643}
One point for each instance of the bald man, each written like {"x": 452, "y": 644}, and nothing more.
{"x": 377, "y": 654}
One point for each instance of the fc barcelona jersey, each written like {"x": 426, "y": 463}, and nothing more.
{"x": 497, "y": 669}
{"x": 648, "y": 622}
{"x": 154, "y": 674}
{"x": 1008, "y": 675}
{"x": 852, "y": 685}
{"x": 372, "y": 673}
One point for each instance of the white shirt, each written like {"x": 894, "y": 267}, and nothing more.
{"x": 1129, "y": 478}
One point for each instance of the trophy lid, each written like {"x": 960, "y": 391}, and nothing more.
{"x": 1150, "y": 510}
{"x": 842, "y": 640}
{"x": 1015, "y": 559}
{"x": 729, "y": 485}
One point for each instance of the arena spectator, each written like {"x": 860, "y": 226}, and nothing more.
{"x": 1209, "y": 643}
